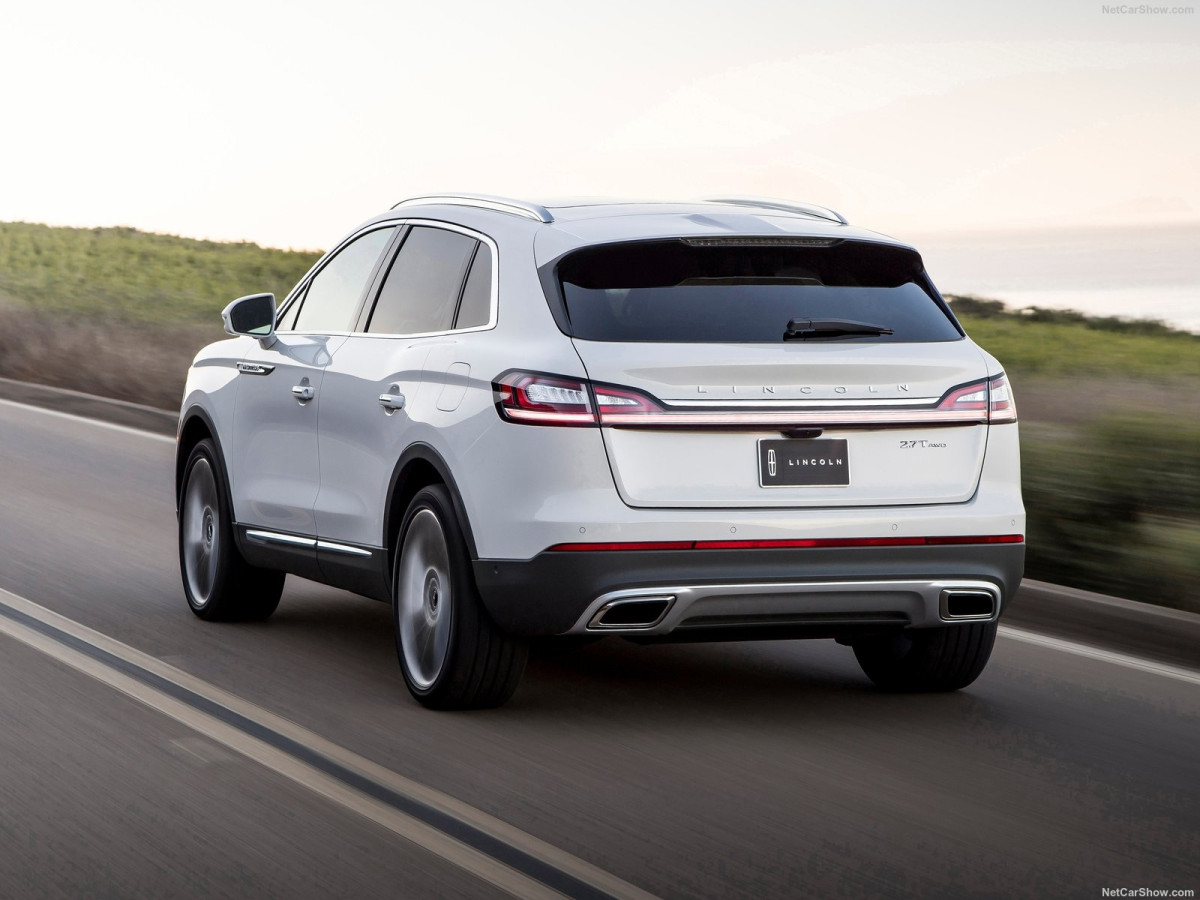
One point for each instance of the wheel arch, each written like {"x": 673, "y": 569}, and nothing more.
{"x": 420, "y": 466}
{"x": 196, "y": 425}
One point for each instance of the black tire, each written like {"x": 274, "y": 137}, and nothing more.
{"x": 219, "y": 584}
{"x": 451, "y": 654}
{"x": 927, "y": 659}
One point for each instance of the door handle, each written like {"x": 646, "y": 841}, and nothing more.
{"x": 391, "y": 402}
{"x": 303, "y": 392}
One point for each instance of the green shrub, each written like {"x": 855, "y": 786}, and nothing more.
{"x": 1115, "y": 507}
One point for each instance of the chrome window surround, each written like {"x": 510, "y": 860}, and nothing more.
{"x": 494, "y": 313}
{"x": 508, "y": 205}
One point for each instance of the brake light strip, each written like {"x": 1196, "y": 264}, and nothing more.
{"x": 790, "y": 543}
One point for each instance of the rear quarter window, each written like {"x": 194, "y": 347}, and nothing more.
{"x": 683, "y": 291}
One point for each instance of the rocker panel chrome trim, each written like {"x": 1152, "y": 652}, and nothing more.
{"x": 331, "y": 547}
{"x": 275, "y": 537}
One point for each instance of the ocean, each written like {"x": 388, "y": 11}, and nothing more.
{"x": 1148, "y": 272}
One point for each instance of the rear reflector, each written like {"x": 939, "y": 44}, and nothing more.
{"x": 626, "y": 545}
{"x": 791, "y": 543}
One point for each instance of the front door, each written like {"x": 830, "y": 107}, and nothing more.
{"x": 275, "y": 452}
{"x": 275, "y": 433}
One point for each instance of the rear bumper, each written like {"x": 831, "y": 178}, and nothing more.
{"x": 732, "y": 594}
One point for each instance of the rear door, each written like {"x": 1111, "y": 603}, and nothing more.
{"x": 826, "y": 418}
{"x": 438, "y": 286}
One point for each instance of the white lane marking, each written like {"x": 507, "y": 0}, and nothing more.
{"x": 111, "y": 426}
{"x": 465, "y": 857}
{"x": 1110, "y": 656}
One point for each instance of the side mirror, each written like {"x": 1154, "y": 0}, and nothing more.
{"x": 252, "y": 315}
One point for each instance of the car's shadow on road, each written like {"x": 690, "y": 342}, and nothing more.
{"x": 568, "y": 680}
{"x": 733, "y": 681}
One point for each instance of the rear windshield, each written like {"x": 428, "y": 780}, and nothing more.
{"x": 697, "y": 292}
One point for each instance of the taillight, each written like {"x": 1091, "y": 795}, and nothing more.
{"x": 992, "y": 395}
{"x": 621, "y": 406}
{"x": 1002, "y": 407}
{"x": 543, "y": 399}
{"x": 536, "y": 399}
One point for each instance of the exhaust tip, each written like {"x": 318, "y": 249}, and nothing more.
{"x": 631, "y": 613}
{"x": 968, "y": 604}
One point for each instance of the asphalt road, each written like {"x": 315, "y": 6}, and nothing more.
{"x": 757, "y": 770}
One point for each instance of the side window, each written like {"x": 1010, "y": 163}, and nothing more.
{"x": 288, "y": 322}
{"x": 420, "y": 292}
{"x": 334, "y": 292}
{"x": 476, "y": 306}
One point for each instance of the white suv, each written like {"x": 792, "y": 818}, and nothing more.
{"x": 734, "y": 419}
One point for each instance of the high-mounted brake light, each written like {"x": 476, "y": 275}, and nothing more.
{"x": 992, "y": 395}
{"x": 768, "y": 241}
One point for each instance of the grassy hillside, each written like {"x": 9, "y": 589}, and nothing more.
{"x": 133, "y": 276}
{"x": 1067, "y": 344}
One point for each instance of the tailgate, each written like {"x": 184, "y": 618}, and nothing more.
{"x": 784, "y": 425}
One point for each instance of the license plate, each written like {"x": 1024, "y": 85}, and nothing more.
{"x": 803, "y": 463}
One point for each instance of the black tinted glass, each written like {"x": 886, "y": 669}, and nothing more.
{"x": 334, "y": 292}
{"x": 253, "y": 315}
{"x": 671, "y": 291}
{"x": 476, "y": 306}
{"x": 421, "y": 291}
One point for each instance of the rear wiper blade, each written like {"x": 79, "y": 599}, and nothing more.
{"x": 801, "y": 329}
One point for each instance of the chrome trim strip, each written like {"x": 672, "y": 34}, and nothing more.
{"x": 923, "y": 600}
{"x": 824, "y": 418}
{"x": 254, "y": 368}
{"x": 343, "y": 548}
{"x": 796, "y": 403}
{"x": 809, "y": 209}
{"x": 485, "y": 201}
{"x": 275, "y": 537}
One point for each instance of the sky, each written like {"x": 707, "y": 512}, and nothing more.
{"x": 288, "y": 123}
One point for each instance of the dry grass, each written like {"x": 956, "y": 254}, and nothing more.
{"x": 140, "y": 363}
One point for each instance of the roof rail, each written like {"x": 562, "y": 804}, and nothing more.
{"x": 486, "y": 201}
{"x": 809, "y": 209}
